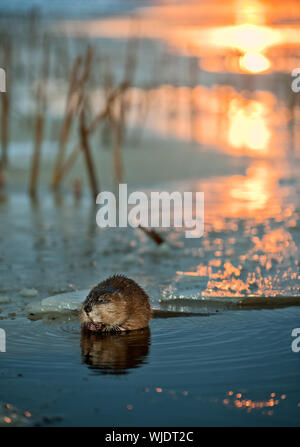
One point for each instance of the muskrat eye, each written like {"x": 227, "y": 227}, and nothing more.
{"x": 87, "y": 308}
{"x": 103, "y": 300}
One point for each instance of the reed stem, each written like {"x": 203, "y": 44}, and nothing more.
{"x": 84, "y": 142}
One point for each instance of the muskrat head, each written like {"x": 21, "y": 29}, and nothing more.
{"x": 103, "y": 310}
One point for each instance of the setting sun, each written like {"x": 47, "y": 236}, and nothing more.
{"x": 246, "y": 37}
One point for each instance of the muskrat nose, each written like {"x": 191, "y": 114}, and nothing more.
{"x": 87, "y": 308}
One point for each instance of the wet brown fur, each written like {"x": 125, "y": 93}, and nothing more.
{"x": 114, "y": 305}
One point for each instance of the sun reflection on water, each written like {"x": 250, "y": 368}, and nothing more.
{"x": 248, "y": 125}
{"x": 241, "y": 123}
{"x": 254, "y": 62}
{"x": 249, "y": 247}
{"x": 242, "y": 402}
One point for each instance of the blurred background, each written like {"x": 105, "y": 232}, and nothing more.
{"x": 211, "y": 74}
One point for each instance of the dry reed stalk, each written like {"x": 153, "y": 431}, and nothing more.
{"x": 118, "y": 124}
{"x": 5, "y": 102}
{"x": 39, "y": 131}
{"x": 129, "y": 73}
{"x": 108, "y": 80}
{"x": 86, "y": 67}
{"x": 113, "y": 95}
{"x": 146, "y": 103}
{"x": 77, "y": 189}
{"x": 69, "y": 162}
{"x": 87, "y": 63}
{"x": 40, "y": 120}
{"x": 4, "y": 125}
{"x": 117, "y": 158}
{"x": 71, "y": 104}
{"x": 67, "y": 165}
{"x": 118, "y": 127}
{"x": 108, "y": 84}
{"x": 152, "y": 234}
{"x": 143, "y": 114}
{"x": 131, "y": 53}
{"x": 74, "y": 101}
{"x": 2, "y": 175}
{"x": 84, "y": 141}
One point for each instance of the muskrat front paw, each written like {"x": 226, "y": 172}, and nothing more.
{"x": 94, "y": 326}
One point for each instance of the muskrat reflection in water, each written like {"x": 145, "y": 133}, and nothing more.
{"x": 115, "y": 354}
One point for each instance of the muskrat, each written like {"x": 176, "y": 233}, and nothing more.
{"x": 120, "y": 304}
{"x": 116, "y": 304}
